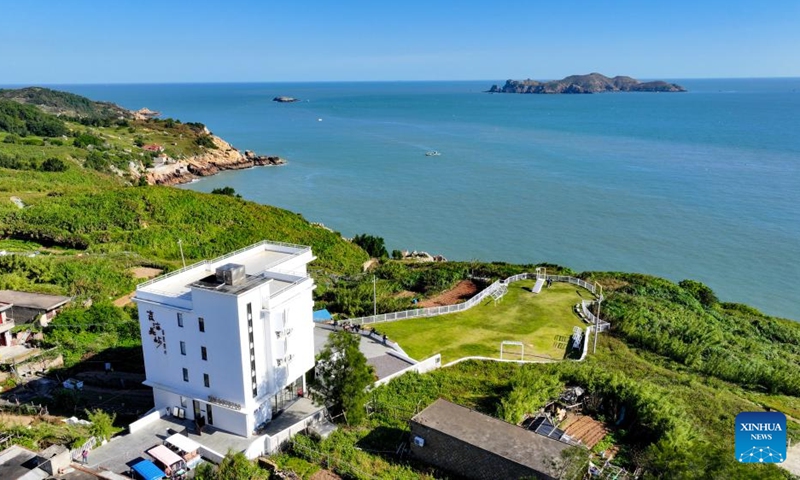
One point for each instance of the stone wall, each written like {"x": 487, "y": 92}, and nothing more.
{"x": 451, "y": 454}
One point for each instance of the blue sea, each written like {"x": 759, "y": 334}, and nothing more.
{"x": 702, "y": 185}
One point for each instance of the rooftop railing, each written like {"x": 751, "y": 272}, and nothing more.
{"x": 301, "y": 249}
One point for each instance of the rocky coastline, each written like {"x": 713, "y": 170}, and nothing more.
{"x": 210, "y": 162}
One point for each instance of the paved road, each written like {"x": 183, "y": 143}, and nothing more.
{"x": 792, "y": 462}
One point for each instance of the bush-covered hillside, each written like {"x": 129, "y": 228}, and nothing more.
{"x": 150, "y": 221}
{"x": 64, "y": 103}
{"x": 24, "y": 120}
{"x": 685, "y": 323}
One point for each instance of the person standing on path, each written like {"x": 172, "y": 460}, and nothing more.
{"x": 85, "y": 456}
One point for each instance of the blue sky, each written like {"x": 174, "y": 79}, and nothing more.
{"x": 82, "y": 41}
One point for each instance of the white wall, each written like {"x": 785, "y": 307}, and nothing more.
{"x": 225, "y": 339}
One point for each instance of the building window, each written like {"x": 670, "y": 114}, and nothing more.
{"x": 203, "y": 353}
{"x": 206, "y": 380}
{"x": 202, "y": 324}
{"x": 252, "y": 348}
{"x": 180, "y": 319}
{"x": 183, "y": 401}
{"x": 185, "y": 374}
{"x": 183, "y": 348}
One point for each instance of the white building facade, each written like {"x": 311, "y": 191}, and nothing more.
{"x": 227, "y": 342}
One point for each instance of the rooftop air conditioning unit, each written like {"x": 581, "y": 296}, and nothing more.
{"x": 230, "y": 274}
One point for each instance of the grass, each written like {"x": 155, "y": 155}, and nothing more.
{"x": 522, "y": 316}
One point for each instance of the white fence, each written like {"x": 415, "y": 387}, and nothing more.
{"x": 460, "y": 307}
{"x": 77, "y": 453}
{"x": 431, "y": 363}
{"x": 602, "y": 325}
{"x": 146, "y": 420}
{"x": 586, "y": 343}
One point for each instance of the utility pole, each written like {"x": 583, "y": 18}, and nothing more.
{"x": 180, "y": 245}
{"x": 374, "y": 297}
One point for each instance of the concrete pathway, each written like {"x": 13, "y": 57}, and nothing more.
{"x": 792, "y": 462}
{"x": 385, "y": 359}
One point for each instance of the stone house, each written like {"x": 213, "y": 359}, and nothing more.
{"x": 477, "y": 446}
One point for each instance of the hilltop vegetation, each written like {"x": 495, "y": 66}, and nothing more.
{"x": 39, "y": 125}
{"x": 66, "y": 104}
{"x": 685, "y": 323}
{"x": 80, "y": 206}
{"x": 24, "y": 120}
{"x": 150, "y": 220}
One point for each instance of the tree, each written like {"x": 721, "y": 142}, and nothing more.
{"x": 701, "y": 292}
{"x": 102, "y": 423}
{"x": 53, "y": 165}
{"x": 230, "y": 191}
{"x": 342, "y": 375}
{"x": 235, "y": 466}
{"x": 373, "y": 245}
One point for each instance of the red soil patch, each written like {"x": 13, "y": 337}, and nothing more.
{"x": 325, "y": 475}
{"x": 145, "y": 272}
{"x": 138, "y": 272}
{"x": 463, "y": 291}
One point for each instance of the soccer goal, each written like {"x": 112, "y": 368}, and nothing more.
{"x": 514, "y": 351}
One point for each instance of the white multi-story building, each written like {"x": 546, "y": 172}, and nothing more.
{"x": 227, "y": 342}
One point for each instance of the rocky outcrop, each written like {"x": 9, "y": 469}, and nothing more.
{"x": 592, "y": 83}
{"x": 421, "y": 256}
{"x": 210, "y": 162}
{"x": 144, "y": 114}
{"x": 285, "y": 99}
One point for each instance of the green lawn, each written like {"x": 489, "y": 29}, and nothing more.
{"x": 520, "y": 316}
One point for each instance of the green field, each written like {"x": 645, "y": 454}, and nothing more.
{"x": 519, "y": 316}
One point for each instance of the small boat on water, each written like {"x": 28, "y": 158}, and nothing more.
{"x": 432, "y": 153}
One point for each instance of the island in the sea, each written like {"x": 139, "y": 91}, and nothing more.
{"x": 285, "y": 99}
{"x": 591, "y": 83}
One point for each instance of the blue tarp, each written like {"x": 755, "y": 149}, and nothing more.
{"x": 147, "y": 470}
{"x": 322, "y": 315}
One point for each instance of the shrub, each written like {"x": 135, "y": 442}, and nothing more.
{"x": 83, "y": 140}
{"x": 53, "y": 165}
{"x": 226, "y": 191}
{"x": 701, "y": 292}
{"x": 205, "y": 141}
{"x": 11, "y": 138}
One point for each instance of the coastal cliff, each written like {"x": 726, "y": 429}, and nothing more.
{"x": 591, "y": 83}
{"x": 212, "y": 161}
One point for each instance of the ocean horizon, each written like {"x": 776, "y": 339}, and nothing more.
{"x": 701, "y": 185}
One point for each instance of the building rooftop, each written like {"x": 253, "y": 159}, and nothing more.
{"x": 32, "y": 300}
{"x": 491, "y": 434}
{"x": 17, "y": 461}
{"x": 257, "y": 260}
